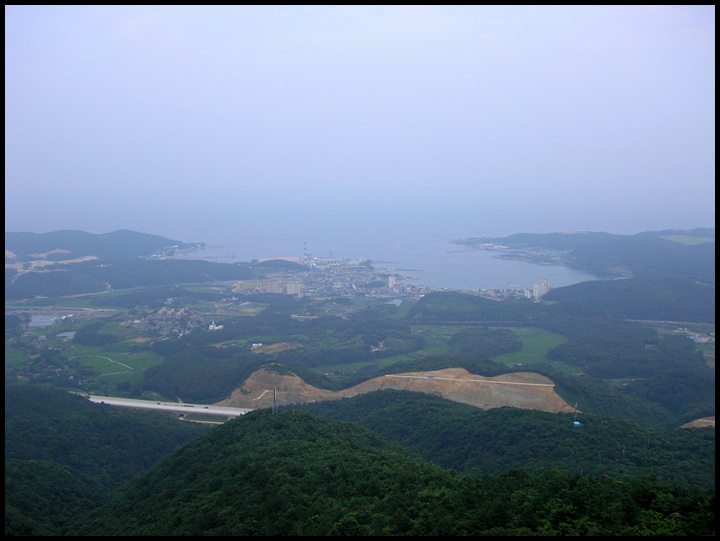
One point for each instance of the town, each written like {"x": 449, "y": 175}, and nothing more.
{"x": 358, "y": 277}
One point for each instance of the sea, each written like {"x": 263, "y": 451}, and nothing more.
{"x": 439, "y": 264}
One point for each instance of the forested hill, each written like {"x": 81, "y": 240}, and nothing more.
{"x": 69, "y": 244}
{"x": 75, "y": 262}
{"x": 65, "y": 455}
{"x": 296, "y": 474}
{"x": 645, "y": 297}
{"x": 470, "y": 440}
{"x": 667, "y": 254}
{"x": 97, "y": 275}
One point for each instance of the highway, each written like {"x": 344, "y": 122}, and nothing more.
{"x": 168, "y": 406}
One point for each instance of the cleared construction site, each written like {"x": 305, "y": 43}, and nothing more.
{"x": 525, "y": 390}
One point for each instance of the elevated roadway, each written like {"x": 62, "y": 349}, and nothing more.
{"x": 207, "y": 409}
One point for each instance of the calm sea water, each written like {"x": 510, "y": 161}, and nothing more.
{"x": 434, "y": 264}
{"x": 393, "y": 237}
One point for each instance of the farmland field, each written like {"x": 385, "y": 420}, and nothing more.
{"x": 536, "y": 343}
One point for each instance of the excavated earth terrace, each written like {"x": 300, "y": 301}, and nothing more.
{"x": 525, "y": 390}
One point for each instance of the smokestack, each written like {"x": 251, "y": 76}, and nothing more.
{"x": 274, "y": 410}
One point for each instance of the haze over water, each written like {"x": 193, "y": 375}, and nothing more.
{"x": 421, "y": 257}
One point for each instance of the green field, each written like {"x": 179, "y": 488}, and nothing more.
{"x": 112, "y": 363}
{"x": 437, "y": 336}
{"x": 683, "y": 239}
{"x": 14, "y": 356}
{"x": 536, "y": 344}
{"x": 122, "y": 361}
{"x": 708, "y": 351}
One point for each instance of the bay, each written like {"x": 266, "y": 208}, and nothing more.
{"x": 420, "y": 263}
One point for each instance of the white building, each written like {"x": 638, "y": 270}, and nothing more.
{"x": 540, "y": 288}
{"x": 294, "y": 288}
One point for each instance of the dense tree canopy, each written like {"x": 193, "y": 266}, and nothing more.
{"x": 470, "y": 440}
{"x": 295, "y": 474}
{"x": 65, "y": 455}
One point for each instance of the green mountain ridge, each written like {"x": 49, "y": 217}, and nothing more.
{"x": 463, "y": 438}
{"x": 652, "y": 253}
{"x": 297, "y": 474}
{"x": 648, "y": 298}
{"x": 65, "y": 455}
{"x": 121, "y": 243}
{"x": 294, "y": 474}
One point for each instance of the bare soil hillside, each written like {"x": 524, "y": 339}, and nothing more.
{"x": 705, "y": 422}
{"x": 520, "y": 390}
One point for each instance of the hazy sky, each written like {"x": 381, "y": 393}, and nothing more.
{"x": 465, "y": 120}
